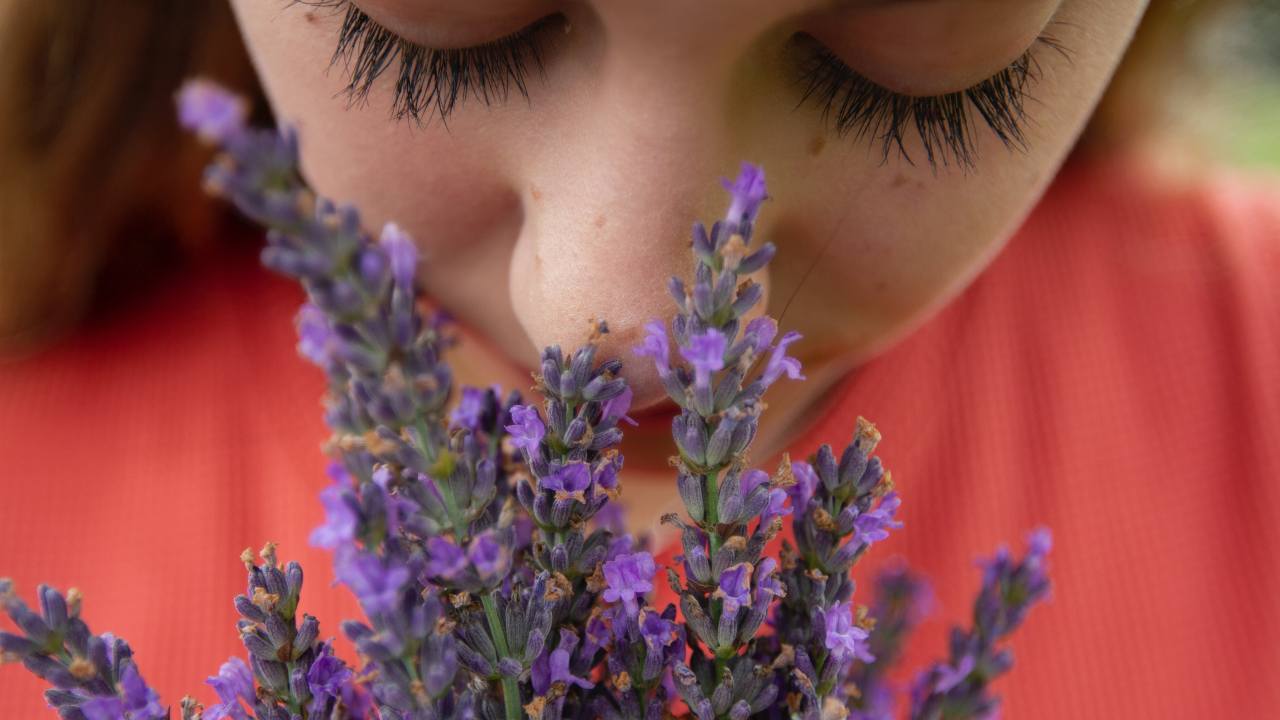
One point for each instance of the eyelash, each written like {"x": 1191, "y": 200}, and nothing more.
{"x": 433, "y": 82}
{"x": 945, "y": 123}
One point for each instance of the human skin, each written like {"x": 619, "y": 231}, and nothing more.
{"x": 536, "y": 215}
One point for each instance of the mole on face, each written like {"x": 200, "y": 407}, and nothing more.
{"x": 599, "y": 221}
{"x": 817, "y": 144}
{"x": 535, "y": 193}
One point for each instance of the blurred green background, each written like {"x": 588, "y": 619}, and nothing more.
{"x": 1233, "y": 105}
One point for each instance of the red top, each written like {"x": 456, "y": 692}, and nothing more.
{"x": 1115, "y": 375}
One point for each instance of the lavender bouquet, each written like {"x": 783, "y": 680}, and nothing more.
{"x": 481, "y": 536}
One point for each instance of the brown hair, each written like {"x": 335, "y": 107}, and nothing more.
{"x": 100, "y": 188}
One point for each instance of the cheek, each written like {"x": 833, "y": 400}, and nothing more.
{"x": 446, "y": 185}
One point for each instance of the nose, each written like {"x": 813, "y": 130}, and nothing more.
{"x": 609, "y": 199}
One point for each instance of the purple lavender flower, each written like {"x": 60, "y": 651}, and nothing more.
{"x": 751, "y": 479}
{"x": 874, "y": 525}
{"x": 340, "y": 521}
{"x": 844, "y": 639}
{"x": 375, "y": 581}
{"x": 136, "y": 701}
{"x": 735, "y": 587}
{"x": 806, "y": 484}
{"x": 211, "y": 112}
{"x": 469, "y": 409}
{"x": 761, "y": 330}
{"x": 233, "y": 683}
{"x": 527, "y": 429}
{"x": 780, "y": 363}
{"x": 553, "y": 667}
{"x": 658, "y": 632}
{"x": 1039, "y": 543}
{"x": 705, "y": 352}
{"x": 569, "y": 482}
{"x": 444, "y": 559}
{"x": 948, "y": 676}
{"x": 490, "y": 558}
{"x": 628, "y": 577}
{"x": 748, "y": 191}
{"x": 657, "y": 346}
{"x": 329, "y": 678}
{"x": 402, "y": 253}
{"x": 617, "y": 407}
{"x": 768, "y": 585}
{"x": 316, "y": 340}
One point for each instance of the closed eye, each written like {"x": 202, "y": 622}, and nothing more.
{"x": 431, "y": 81}
{"x": 946, "y": 124}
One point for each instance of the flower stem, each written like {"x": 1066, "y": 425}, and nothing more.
{"x": 510, "y": 693}
{"x": 713, "y": 512}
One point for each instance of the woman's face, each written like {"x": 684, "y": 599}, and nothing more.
{"x": 572, "y": 199}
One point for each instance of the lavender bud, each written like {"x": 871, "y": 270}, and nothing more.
{"x": 29, "y": 622}
{"x": 703, "y": 302}
{"x": 747, "y": 299}
{"x": 473, "y": 661}
{"x": 730, "y": 500}
{"x": 727, "y": 630}
{"x": 690, "y": 488}
{"x": 16, "y": 644}
{"x": 53, "y": 606}
{"x": 298, "y": 683}
{"x": 741, "y": 711}
{"x": 50, "y": 670}
{"x": 699, "y": 564}
{"x": 551, "y": 376}
{"x": 308, "y": 631}
{"x": 721, "y": 697}
{"x": 721, "y": 439}
{"x": 577, "y": 428}
{"x": 293, "y": 580}
{"x": 701, "y": 243}
{"x": 510, "y": 667}
{"x": 758, "y": 259}
{"x": 675, "y": 286}
{"x": 272, "y": 674}
{"x": 258, "y": 646}
{"x": 279, "y": 631}
{"x": 608, "y": 438}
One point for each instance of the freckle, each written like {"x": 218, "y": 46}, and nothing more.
{"x": 599, "y": 221}
{"x": 881, "y": 286}
{"x": 535, "y": 192}
{"x": 310, "y": 16}
{"x": 899, "y": 180}
{"x": 817, "y": 144}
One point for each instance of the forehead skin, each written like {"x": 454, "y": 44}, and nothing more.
{"x": 537, "y": 215}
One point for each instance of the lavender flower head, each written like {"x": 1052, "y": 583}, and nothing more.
{"x": 628, "y": 578}
{"x": 211, "y": 112}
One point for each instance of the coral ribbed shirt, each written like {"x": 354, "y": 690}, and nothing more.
{"x": 1114, "y": 374}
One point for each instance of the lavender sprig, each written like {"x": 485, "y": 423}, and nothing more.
{"x": 902, "y": 600}
{"x": 296, "y": 673}
{"x": 94, "y": 677}
{"x": 734, "y": 510}
{"x": 958, "y": 688}
{"x": 403, "y": 478}
{"x": 841, "y": 509}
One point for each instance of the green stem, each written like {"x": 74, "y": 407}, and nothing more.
{"x": 451, "y": 509}
{"x": 713, "y": 512}
{"x": 510, "y": 693}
